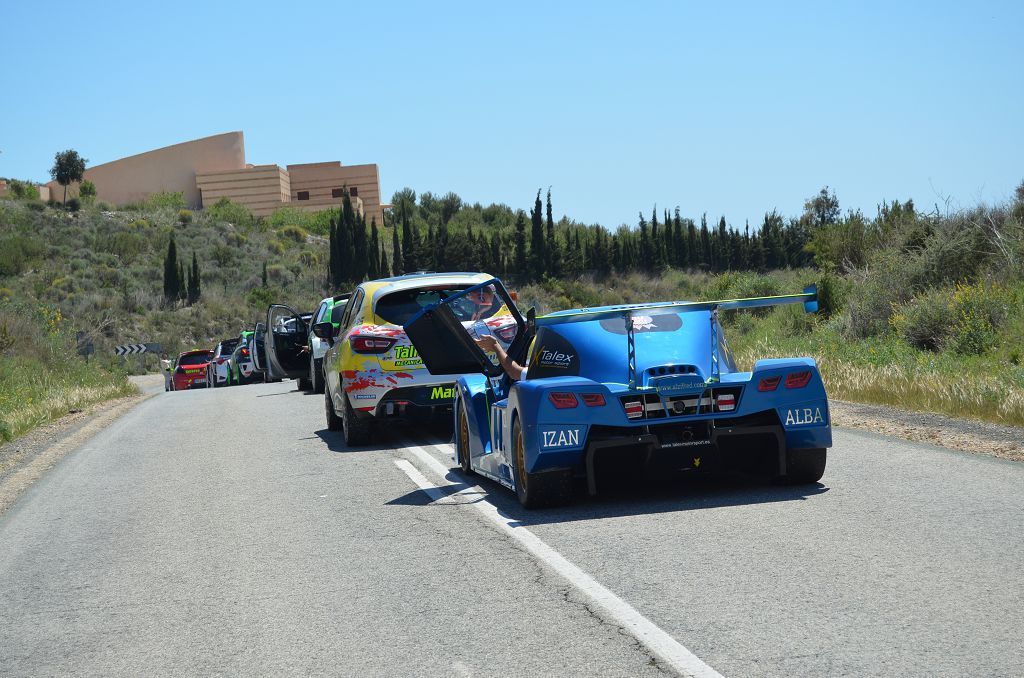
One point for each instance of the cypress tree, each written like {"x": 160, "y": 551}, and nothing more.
{"x": 679, "y": 258}
{"x": 171, "y": 272}
{"x": 264, "y": 274}
{"x": 373, "y": 264}
{"x": 692, "y": 254}
{"x": 724, "y": 250}
{"x": 409, "y": 245}
{"x": 519, "y": 264}
{"x": 538, "y": 256}
{"x": 553, "y": 248}
{"x": 195, "y": 288}
{"x": 396, "y": 251}
{"x": 345, "y": 244}
{"x": 182, "y": 288}
{"x": 384, "y": 270}
{"x": 334, "y": 271}
{"x": 705, "y": 242}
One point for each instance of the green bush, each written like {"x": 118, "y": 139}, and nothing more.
{"x": 73, "y": 204}
{"x": 171, "y": 200}
{"x": 296, "y": 233}
{"x": 964, "y": 319}
{"x": 232, "y": 213}
{"x": 925, "y": 321}
{"x": 23, "y": 190}
{"x": 17, "y": 253}
{"x": 185, "y": 216}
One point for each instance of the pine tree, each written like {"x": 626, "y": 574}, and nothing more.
{"x": 396, "y": 251}
{"x": 498, "y": 264}
{"x": 171, "y": 280}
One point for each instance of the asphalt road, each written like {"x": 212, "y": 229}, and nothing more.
{"x": 227, "y": 532}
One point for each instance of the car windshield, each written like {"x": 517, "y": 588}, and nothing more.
{"x": 194, "y": 359}
{"x": 398, "y": 307}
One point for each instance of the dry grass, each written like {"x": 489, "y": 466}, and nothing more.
{"x": 959, "y": 394}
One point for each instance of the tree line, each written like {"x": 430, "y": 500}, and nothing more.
{"x": 181, "y": 284}
{"x": 444, "y": 234}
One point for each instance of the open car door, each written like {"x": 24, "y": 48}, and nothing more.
{"x": 443, "y": 333}
{"x": 285, "y": 343}
{"x": 259, "y": 354}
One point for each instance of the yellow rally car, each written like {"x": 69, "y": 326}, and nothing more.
{"x": 373, "y": 372}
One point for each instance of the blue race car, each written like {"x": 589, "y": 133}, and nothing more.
{"x": 649, "y": 384}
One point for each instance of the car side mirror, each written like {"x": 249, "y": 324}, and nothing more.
{"x": 324, "y": 331}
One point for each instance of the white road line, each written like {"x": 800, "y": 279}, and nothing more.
{"x": 612, "y": 608}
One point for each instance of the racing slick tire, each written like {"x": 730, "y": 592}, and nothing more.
{"x": 538, "y": 490}
{"x": 334, "y": 422}
{"x": 316, "y": 374}
{"x": 462, "y": 449}
{"x": 357, "y": 431}
{"x": 804, "y": 466}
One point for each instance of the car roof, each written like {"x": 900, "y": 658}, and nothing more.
{"x": 195, "y": 350}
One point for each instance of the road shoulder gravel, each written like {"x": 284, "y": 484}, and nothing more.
{"x": 977, "y": 437}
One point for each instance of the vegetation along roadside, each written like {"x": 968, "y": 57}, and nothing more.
{"x": 919, "y": 309}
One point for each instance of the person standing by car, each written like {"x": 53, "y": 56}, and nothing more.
{"x": 167, "y": 365}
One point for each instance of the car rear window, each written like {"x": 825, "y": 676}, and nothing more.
{"x": 194, "y": 359}
{"x": 227, "y": 347}
{"x": 398, "y": 307}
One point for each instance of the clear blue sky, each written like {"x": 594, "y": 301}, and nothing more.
{"x": 724, "y": 108}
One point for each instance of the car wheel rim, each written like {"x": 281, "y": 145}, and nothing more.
{"x": 520, "y": 461}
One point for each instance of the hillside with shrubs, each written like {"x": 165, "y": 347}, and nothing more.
{"x": 921, "y": 309}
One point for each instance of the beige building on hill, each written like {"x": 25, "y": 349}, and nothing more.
{"x": 208, "y": 169}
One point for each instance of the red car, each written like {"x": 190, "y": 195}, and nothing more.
{"x": 190, "y": 370}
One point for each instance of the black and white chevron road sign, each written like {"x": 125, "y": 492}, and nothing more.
{"x": 130, "y": 349}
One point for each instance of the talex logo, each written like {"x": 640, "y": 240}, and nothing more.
{"x": 805, "y": 416}
{"x": 549, "y": 358}
{"x": 405, "y": 352}
{"x": 569, "y": 437}
{"x": 442, "y": 393}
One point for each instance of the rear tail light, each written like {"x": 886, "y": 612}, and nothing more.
{"x": 634, "y": 409}
{"x": 507, "y": 334}
{"x": 769, "y": 383}
{"x": 593, "y": 399}
{"x": 726, "y": 402}
{"x": 563, "y": 401}
{"x": 365, "y": 344}
{"x": 245, "y": 352}
{"x": 798, "y": 379}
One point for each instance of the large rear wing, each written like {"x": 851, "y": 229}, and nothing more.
{"x": 809, "y": 298}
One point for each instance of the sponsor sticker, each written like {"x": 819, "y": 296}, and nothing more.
{"x": 406, "y": 356}
{"x": 804, "y": 416}
{"x": 442, "y": 393}
{"x": 560, "y": 437}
